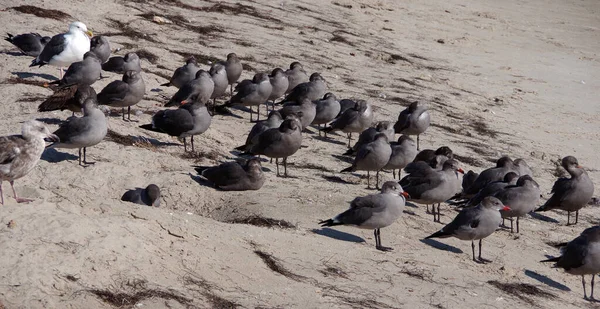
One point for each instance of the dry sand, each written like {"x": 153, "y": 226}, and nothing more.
{"x": 528, "y": 70}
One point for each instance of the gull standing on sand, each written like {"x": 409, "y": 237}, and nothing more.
{"x": 280, "y": 83}
{"x": 353, "y": 120}
{"x": 522, "y": 198}
{"x": 20, "y": 153}
{"x": 233, "y": 176}
{"x": 403, "y": 152}
{"x": 273, "y": 121}
{"x": 374, "y": 211}
{"x": 198, "y": 89}
{"x": 65, "y": 48}
{"x": 581, "y": 257}
{"x": 30, "y": 44}
{"x": 433, "y": 186}
{"x": 85, "y": 72}
{"x": 570, "y": 194}
{"x": 428, "y": 155}
{"x": 252, "y": 93}
{"x": 326, "y": 110}
{"x": 280, "y": 142}
{"x": 186, "y": 121}
{"x": 100, "y": 46}
{"x": 83, "y": 132}
{"x": 414, "y": 120}
{"x": 120, "y": 65}
{"x": 149, "y": 196}
{"x": 372, "y": 156}
{"x": 183, "y": 74}
{"x": 124, "y": 93}
{"x": 474, "y": 223}
{"x": 296, "y": 76}
{"x": 234, "y": 69}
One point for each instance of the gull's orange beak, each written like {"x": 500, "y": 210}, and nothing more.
{"x": 405, "y": 194}
{"x": 579, "y": 166}
{"x": 89, "y": 33}
{"x": 460, "y": 170}
{"x": 506, "y": 208}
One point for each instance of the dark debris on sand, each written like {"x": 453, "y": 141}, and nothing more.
{"x": 41, "y": 12}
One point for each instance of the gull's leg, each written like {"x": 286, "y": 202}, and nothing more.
{"x": 18, "y": 199}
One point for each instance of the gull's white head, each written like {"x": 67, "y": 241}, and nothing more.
{"x": 79, "y": 26}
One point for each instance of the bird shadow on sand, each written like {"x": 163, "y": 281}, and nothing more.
{"x": 335, "y": 234}
{"x": 541, "y": 217}
{"x": 52, "y": 121}
{"x": 337, "y": 179}
{"x": 441, "y": 246}
{"x": 53, "y": 156}
{"x": 225, "y": 111}
{"x": 202, "y": 181}
{"x": 410, "y": 204}
{"x": 14, "y": 54}
{"x": 346, "y": 159}
{"x": 545, "y": 280}
{"x": 329, "y": 140}
{"x": 29, "y": 74}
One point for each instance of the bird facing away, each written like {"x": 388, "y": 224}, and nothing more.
{"x": 100, "y": 46}
{"x": 70, "y": 98}
{"x": 234, "y": 69}
{"x": 20, "y": 153}
{"x": 372, "y": 156}
{"x": 30, "y": 44}
{"x": 474, "y": 223}
{"x": 414, "y": 120}
{"x": 403, "y": 152}
{"x": 503, "y": 166}
{"x": 522, "y": 198}
{"x": 510, "y": 179}
{"x": 252, "y": 93}
{"x": 120, "y": 65}
{"x": 149, "y": 196}
{"x": 374, "y": 211}
{"x": 124, "y": 93}
{"x": 233, "y": 176}
{"x": 570, "y": 194}
{"x": 83, "y": 132}
{"x": 280, "y": 142}
{"x": 326, "y": 110}
{"x": 581, "y": 257}
{"x": 65, "y": 48}
{"x": 219, "y": 76}
{"x": 296, "y": 75}
{"x": 353, "y": 120}
{"x": 85, "y": 72}
{"x": 273, "y": 121}
{"x": 186, "y": 121}
{"x": 279, "y": 82}
{"x": 183, "y": 74}
{"x": 430, "y": 186}
{"x": 199, "y": 89}
{"x": 305, "y": 110}
{"x": 313, "y": 90}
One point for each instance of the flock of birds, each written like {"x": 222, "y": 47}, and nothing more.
{"x": 505, "y": 191}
